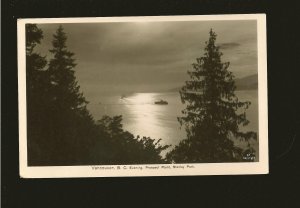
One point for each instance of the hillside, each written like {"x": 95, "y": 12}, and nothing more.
{"x": 247, "y": 83}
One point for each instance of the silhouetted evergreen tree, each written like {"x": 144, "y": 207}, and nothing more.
{"x": 212, "y": 115}
{"x": 36, "y": 87}
{"x": 70, "y": 124}
{"x": 61, "y": 70}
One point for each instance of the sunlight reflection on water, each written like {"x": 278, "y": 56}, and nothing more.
{"x": 142, "y": 117}
{"x": 156, "y": 121}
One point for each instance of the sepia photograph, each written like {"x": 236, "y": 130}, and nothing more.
{"x": 143, "y": 96}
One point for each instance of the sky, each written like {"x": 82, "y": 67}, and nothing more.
{"x": 150, "y": 56}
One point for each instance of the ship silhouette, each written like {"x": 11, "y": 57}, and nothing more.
{"x": 161, "y": 102}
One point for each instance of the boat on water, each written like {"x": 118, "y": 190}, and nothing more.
{"x": 161, "y": 102}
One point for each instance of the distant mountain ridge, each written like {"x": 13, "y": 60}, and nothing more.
{"x": 244, "y": 83}
{"x": 247, "y": 83}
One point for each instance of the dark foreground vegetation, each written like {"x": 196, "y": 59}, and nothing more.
{"x": 61, "y": 131}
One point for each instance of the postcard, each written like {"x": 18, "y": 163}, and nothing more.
{"x": 143, "y": 96}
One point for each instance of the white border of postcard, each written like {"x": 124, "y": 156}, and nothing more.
{"x": 261, "y": 167}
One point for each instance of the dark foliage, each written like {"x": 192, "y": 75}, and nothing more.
{"x": 36, "y": 88}
{"x": 61, "y": 131}
{"x": 213, "y": 113}
{"x": 123, "y": 148}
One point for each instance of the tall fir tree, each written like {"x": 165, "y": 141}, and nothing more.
{"x": 213, "y": 113}
{"x": 71, "y": 124}
{"x": 62, "y": 74}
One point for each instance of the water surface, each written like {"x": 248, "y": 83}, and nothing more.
{"x": 144, "y": 118}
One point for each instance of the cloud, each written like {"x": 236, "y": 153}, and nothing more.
{"x": 153, "y": 55}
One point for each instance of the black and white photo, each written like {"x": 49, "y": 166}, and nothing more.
{"x": 142, "y": 96}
